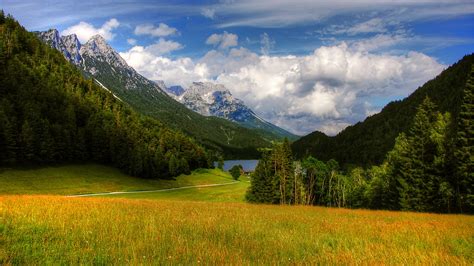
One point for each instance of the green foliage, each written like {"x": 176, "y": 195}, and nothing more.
{"x": 419, "y": 166}
{"x": 51, "y": 114}
{"x": 274, "y": 180}
{"x": 236, "y": 171}
{"x": 228, "y": 138}
{"x": 262, "y": 187}
{"x": 220, "y": 163}
{"x": 367, "y": 143}
{"x": 417, "y": 174}
{"x": 464, "y": 153}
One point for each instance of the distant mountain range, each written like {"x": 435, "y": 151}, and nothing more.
{"x": 98, "y": 60}
{"x": 210, "y": 99}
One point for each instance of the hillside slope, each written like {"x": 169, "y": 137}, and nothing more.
{"x": 369, "y": 141}
{"x": 101, "y": 62}
{"x": 49, "y": 113}
{"x": 210, "y": 99}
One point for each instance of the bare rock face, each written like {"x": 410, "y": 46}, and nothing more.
{"x": 98, "y": 60}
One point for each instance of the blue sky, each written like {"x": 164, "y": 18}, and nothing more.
{"x": 303, "y": 65}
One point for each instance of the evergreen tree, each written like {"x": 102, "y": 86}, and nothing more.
{"x": 27, "y": 139}
{"x": 464, "y": 152}
{"x": 220, "y": 163}
{"x": 184, "y": 166}
{"x": 173, "y": 166}
{"x": 235, "y": 171}
{"x": 419, "y": 164}
{"x": 2, "y": 16}
{"x": 262, "y": 188}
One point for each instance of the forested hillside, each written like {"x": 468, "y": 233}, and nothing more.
{"x": 50, "y": 114}
{"x": 98, "y": 60}
{"x": 367, "y": 143}
{"x": 430, "y": 168}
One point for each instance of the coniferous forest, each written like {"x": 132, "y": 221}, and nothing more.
{"x": 430, "y": 169}
{"x": 50, "y": 114}
{"x": 367, "y": 143}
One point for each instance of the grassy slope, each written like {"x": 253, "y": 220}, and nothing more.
{"x": 80, "y": 179}
{"x": 58, "y": 230}
{"x": 227, "y": 193}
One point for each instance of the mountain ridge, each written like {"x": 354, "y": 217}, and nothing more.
{"x": 51, "y": 114}
{"x": 368, "y": 142}
{"x": 213, "y": 99}
{"x": 104, "y": 65}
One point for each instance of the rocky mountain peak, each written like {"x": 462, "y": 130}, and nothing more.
{"x": 51, "y": 37}
{"x": 212, "y": 99}
{"x": 73, "y": 46}
{"x": 98, "y": 48}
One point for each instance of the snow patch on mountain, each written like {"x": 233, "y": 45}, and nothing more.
{"x": 105, "y": 88}
{"x": 98, "y": 48}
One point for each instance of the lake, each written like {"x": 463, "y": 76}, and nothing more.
{"x": 248, "y": 165}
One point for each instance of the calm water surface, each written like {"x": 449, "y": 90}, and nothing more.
{"x": 248, "y": 165}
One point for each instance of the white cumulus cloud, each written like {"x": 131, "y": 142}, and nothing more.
{"x": 151, "y": 63}
{"x": 224, "y": 40}
{"x": 161, "y": 30}
{"x": 327, "y": 90}
{"x": 138, "y": 56}
{"x": 85, "y": 31}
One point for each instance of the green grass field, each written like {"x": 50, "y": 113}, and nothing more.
{"x": 93, "y": 178}
{"x": 209, "y": 225}
{"x": 226, "y": 193}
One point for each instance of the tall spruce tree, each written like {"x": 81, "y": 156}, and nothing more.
{"x": 419, "y": 172}
{"x": 464, "y": 151}
{"x": 262, "y": 187}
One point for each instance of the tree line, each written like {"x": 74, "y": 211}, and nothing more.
{"x": 429, "y": 169}
{"x": 49, "y": 114}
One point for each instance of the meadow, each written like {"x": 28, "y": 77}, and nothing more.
{"x": 59, "y": 230}
{"x": 94, "y": 178}
{"x": 209, "y": 225}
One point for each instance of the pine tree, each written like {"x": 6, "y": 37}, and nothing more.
{"x": 173, "y": 165}
{"x": 464, "y": 151}
{"x": 220, "y": 163}
{"x": 418, "y": 163}
{"x": 2, "y": 16}
{"x": 262, "y": 188}
{"x": 184, "y": 166}
{"x": 441, "y": 172}
{"x": 27, "y": 138}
